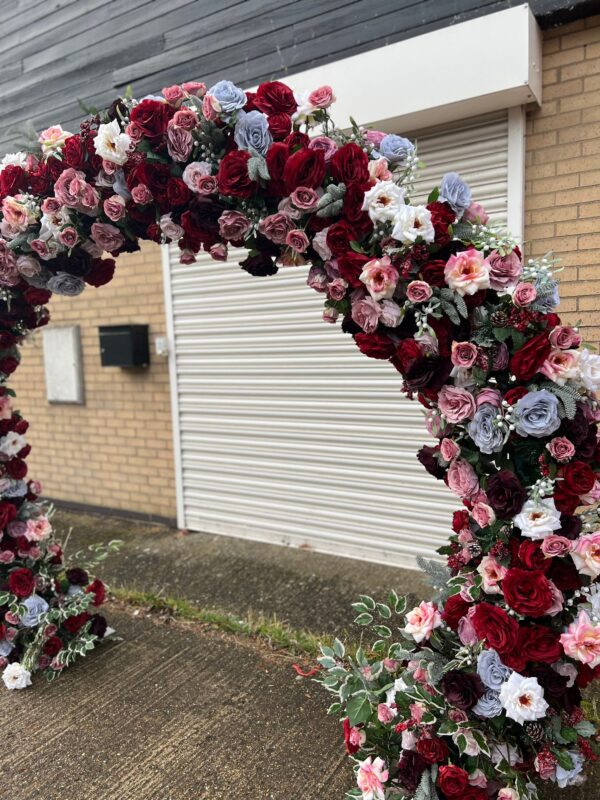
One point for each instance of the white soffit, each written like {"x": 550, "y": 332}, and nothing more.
{"x": 470, "y": 68}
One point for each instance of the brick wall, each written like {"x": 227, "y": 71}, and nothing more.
{"x": 116, "y": 450}
{"x": 562, "y": 191}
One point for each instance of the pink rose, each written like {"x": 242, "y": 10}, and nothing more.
{"x": 476, "y": 214}
{"x": 141, "y": 194}
{"x": 467, "y": 272}
{"x": 462, "y": 478}
{"x": 72, "y": 190}
{"x": 385, "y": 714}
{"x": 233, "y": 225}
{"x": 581, "y": 641}
{"x": 37, "y": 529}
{"x": 463, "y": 354}
{"x": 561, "y": 365}
{"x": 379, "y": 170}
{"x": 449, "y": 449}
{"x": 28, "y": 266}
{"x": 276, "y": 227}
{"x": 554, "y": 546}
{"x": 135, "y": 133}
{"x": 68, "y": 236}
{"x": 322, "y": 97}
{"x": 171, "y": 229}
{"x": 336, "y": 289}
{"x": 524, "y": 295}
{"x": 558, "y": 600}
{"x": 5, "y": 407}
{"x": 187, "y": 257}
{"x": 173, "y": 95}
{"x": 41, "y": 248}
{"x": 305, "y": 199}
{"x": 317, "y": 279}
{"x": 16, "y": 213}
{"x": 326, "y": 145}
{"x": 106, "y": 236}
{"x": 466, "y": 629}
{"x": 9, "y": 271}
{"x": 366, "y": 313}
{"x": 505, "y": 271}
{"x": 114, "y": 207}
{"x": 391, "y": 313}
{"x": 371, "y": 777}
{"x": 297, "y": 240}
{"x": 179, "y": 143}
{"x": 330, "y": 315}
{"x": 565, "y": 338}
{"x": 593, "y": 496}
{"x": 206, "y": 184}
{"x": 586, "y": 554}
{"x": 418, "y": 291}
{"x": 561, "y": 449}
{"x": 195, "y": 88}
{"x": 6, "y": 556}
{"x": 491, "y": 573}
{"x": 50, "y": 206}
{"x": 422, "y": 621}
{"x": 193, "y": 172}
{"x": 456, "y": 404}
{"x": 380, "y": 278}
{"x": 319, "y": 244}
{"x": 218, "y": 252}
{"x": 489, "y": 395}
{"x": 483, "y": 514}
{"x": 375, "y": 137}
{"x": 185, "y": 118}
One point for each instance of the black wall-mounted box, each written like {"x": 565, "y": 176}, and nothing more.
{"x": 124, "y": 346}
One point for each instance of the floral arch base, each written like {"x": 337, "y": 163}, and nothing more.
{"x": 478, "y": 693}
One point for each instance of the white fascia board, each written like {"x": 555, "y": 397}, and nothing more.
{"x": 466, "y": 69}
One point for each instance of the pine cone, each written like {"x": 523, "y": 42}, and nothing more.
{"x": 499, "y": 319}
{"x": 535, "y": 731}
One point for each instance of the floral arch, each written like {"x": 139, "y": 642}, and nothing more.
{"x": 480, "y": 696}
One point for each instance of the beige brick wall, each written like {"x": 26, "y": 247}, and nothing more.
{"x": 562, "y": 190}
{"x": 116, "y": 450}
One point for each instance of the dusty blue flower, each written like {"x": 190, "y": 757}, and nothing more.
{"x": 36, "y": 606}
{"x": 547, "y": 295}
{"x": 491, "y": 670}
{"x": 230, "y": 97}
{"x": 567, "y": 777}
{"x": 536, "y": 414}
{"x": 252, "y": 132}
{"x": 65, "y": 284}
{"x": 5, "y": 648}
{"x": 455, "y": 192}
{"x": 489, "y": 434}
{"x": 395, "y": 148}
{"x": 489, "y": 705}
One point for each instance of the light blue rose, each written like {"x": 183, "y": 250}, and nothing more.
{"x": 489, "y": 705}
{"x": 547, "y": 295}
{"x": 455, "y": 192}
{"x": 567, "y": 777}
{"x": 252, "y": 132}
{"x": 491, "y": 670}
{"x": 536, "y": 414}
{"x": 6, "y": 648}
{"x": 36, "y": 606}
{"x": 65, "y": 284}
{"x": 488, "y": 434}
{"x": 395, "y": 148}
{"x": 119, "y": 185}
{"x": 15, "y": 489}
{"x": 230, "y": 97}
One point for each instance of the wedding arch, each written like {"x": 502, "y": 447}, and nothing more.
{"x": 476, "y": 693}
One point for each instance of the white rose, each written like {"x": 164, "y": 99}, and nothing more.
{"x": 413, "y": 222}
{"x": 14, "y": 160}
{"x": 589, "y": 370}
{"x": 112, "y": 144}
{"x": 384, "y": 201}
{"x": 170, "y": 229}
{"x": 523, "y": 699}
{"x": 12, "y": 443}
{"x": 16, "y": 677}
{"x": 538, "y": 519}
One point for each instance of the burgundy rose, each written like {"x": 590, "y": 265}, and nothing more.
{"x": 532, "y": 556}
{"x": 442, "y": 217}
{"x": 75, "y": 624}
{"x": 233, "y": 178}
{"x": 274, "y": 97}
{"x": 564, "y": 575}
{"x": 455, "y": 609}
{"x": 21, "y": 582}
{"x": 539, "y": 643}
{"x": 74, "y": 152}
{"x": 259, "y": 265}
{"x": 279, "y": 125}
{"x": 433, "y": 273}
{"x": 98, "y": 625}
{"x": 77, "y": 576}
{"x": 339, "y": 236}
{"x": 102, "y": 272}
{"x": 493, "y": 625}
{"x": 13, "y": 179}
{"x": 8, "y": 364}
{"x": 432, "y": 750}
{"x": 350, "y": 266}
{"x": 506, "y": 494}
{"x": 452, "y": 780}
{"x": 277, "y": 156}
{"x": 7, "y": 513}
{"x": 407, "y": 353}
{"x": 98, "y": 589}
{"x": 375, "y": 345}
{"x": 178, "y": 193}
{"x": 151, "y": 118}
{"x": 528, "y": 359}
{"x": 52, "y": 646}
{"x": 306, "y": 167}
{"x": 411, "y": 767}
{"x": 427, "y": 455}
{"x": 16, "y": 468}
{"x": 578, "y": 477}
{"x": 462, "y": 689}
{"x": 527, "y": 591}
{"x": 350, "y": 164}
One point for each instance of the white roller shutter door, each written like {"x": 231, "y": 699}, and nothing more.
{"x": 286, "y": 432}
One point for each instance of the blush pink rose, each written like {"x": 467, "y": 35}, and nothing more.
{"x": 555, "y": 546}
{"x": 463, "y": 354}
{"x": 173, "y": 95}
{"x": 476, "y": 214}
{"x": 462, "y": 478}
{"x": 72, "y": 191}
{"x": 586, "y": 554}
{"x": 326, "y": 145}
{"x": 379, "y": 170}
{"x": 592, "y": 496}
{"x": 491, "y": 573}
{"x": 7, "y": 557}
{"x": 37, "y": 529}
{"x": 28, "y": 266}
{"x": 135, "y": 133}
{"x": 449, "y": 449}
{"x": 581, "y": 641}
{"x": 483, "y": 514}
{"x": 322, "y": 97}
{"x": 565, "y": 337}
{"x": 50, "y": 206}
{"x": 330, "y": 315}
{"x": 297, "y": 240}
{"x": 171, "y": 229}
{"x": 375, "y": 137}
{"x": 305, "y": 199}
{"x": 193, "y": 172}
{"x": 366, "y": 313}
{"x": 380, "y": 277}
{"x": 185, "y": 118}
{"x": 336, "y": 289}
{"x": 467, "y": 272}
{"x": 391, "y": 313}
{"x": 106, "y": 236}
{"x": 422, "y": 621}
{"x": 524, "y": 295}
{"x": 490, "y": 396}
{"x": 505, "y": 271}
{"x": 179, "y": 143}
{"x": 276, "y": 227}
{"x": 418, "y": 291}
{"x": 466, "y": 629}
{"x": 456, "y": 404}
{"x": 561, "y": 449}
{"x": 561, "y": 365}
{"x": 68, "y": 236}
{"x": 114, "y": 207}
{"x": 233, "y": 225}
{"x": 196, "y": 88}
{"x": 141, "y": 194}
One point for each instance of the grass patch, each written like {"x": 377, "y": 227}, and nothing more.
{"x": 276, "y": 634}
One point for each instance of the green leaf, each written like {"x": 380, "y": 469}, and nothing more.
{"x": 339, "y": 648}
{"x": 326, "y": 662}
{"x": 334, "y": 708}
{"x": 564, "y": 759}
{"x": 327, "y": 651}
{"x": 433, "y": 195}
{"x": 384, "y": 611}
{"x": 359, "y": 710}
{"x": 569, "y": 734}
{"x": 368, "y": 601}
{"x": 383, "y": 631}
{"x": 363, "y": 619}
{"x": 586, "y": 729}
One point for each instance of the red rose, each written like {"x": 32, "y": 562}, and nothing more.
{"x": 433, "y": 273}
{"x": 539, "y": 643}
{"x": 101, "y": 272}
{"x": 351, "y": 746}
{"x": 277, "y": 156}
{"x": 8, "y": 364}
{"x": 452, "y": 780}
{"x": 407, "y": 353}
{"x": 7, "y": 513}
{"x": 515, "y": 658}
{"x": 21, "y": 582}
{"x": 274, "y": 97}
{"x": 233, "y": 178}
{"x": 506, "y": 494}
{"x": 75, "y": 624}
{"x": 279, "y": 125}
{"x": 52, "y": 646}
{"x": 306, "y": 167}
{"x": 433, "y": 750}
{"x": 528, "y": 359}
{"x": 375, "y": 345}
{"x": 36, "y": 297}
{"x": 532, "y": 556}
{"x": 74, "y": 152}
{"x": 527, "y": 591}
{"x": 13, "y": 179}
{"x": 21, "y": 426}
{"x": 178, "y": 193}
{"x": 578, "y": 478}
{"x": 151, "y": 117}
{"x": 296, "y": 141}
{"x": 455, "y": 609}
{"x": 350, "y": 164}
{"x": 493, "y": 624}
{"x": 339, "y": 236}
{"x": 350, "y": 266}
{"x": 474, "y": 793}
{"x": 154, "y": 176}
{"x": 442, "y": 217}
{"x": 352, "y": 208}
{"x": 514, "y": 395}
{"x": 460, "y": 520}
{"x": 564, "y": 500}
{"x": 96, "y": 588}
{"x": 16, "y": 468}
